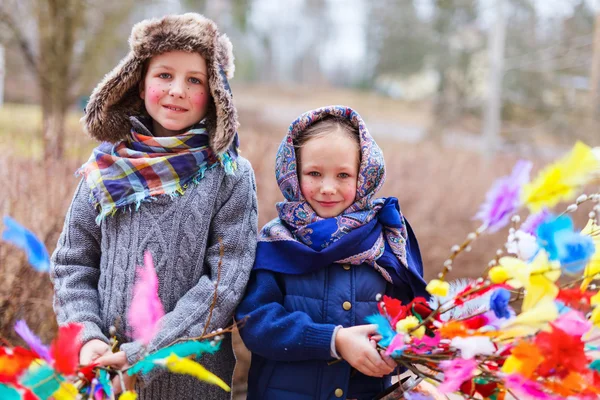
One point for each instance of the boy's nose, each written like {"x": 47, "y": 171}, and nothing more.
{"x": 177, "y": 89}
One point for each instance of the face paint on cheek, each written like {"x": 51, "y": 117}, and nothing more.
{"x": 200, "y": 99}
{"x": 154, "y": 95}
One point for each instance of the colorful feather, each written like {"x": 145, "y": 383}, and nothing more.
{"x": 14, "y": 361}
{"x": 66, "y": 391}
{"x": 42, "y": 380}
{"x": 34, "y": 342}
{"x": 146, "y": 309}
{"x": 128, "y": 395}
{"x": 186, "y": 366}
{"x": 185, "y": 349}
{"x": 9, "y": 393}
{"x": 383, "y": 328}
{"x": 104, "y": 382}
{"x": 37, "y": 255}
{"x": 65, "y": 348}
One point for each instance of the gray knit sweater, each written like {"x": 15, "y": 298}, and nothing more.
{"x": 93, "y": 270}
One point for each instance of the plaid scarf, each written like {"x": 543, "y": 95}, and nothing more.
{"x": 144, "y": 166}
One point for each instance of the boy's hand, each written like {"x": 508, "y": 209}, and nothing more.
{"x": 355, "y": 346}
{"x": 118, "y": 361}
{"x": 91, "y": 350}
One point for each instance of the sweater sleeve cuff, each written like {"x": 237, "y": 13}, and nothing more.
{"x": 317, "y": 340}
{"x": 333, "y": 350}
{"x": 92, "y": 331}
{"x": 133, "y": 351}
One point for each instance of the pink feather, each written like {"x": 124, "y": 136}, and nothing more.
{"x": 146, "y": 310}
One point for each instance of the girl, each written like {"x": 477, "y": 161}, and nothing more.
{"x": 169, "y": 182}
{"x": 321, "y": 264}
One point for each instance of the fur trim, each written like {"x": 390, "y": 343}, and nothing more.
{"x": 116, "y": 97}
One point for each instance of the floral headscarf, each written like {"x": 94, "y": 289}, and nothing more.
{"x": 300, "y": 241}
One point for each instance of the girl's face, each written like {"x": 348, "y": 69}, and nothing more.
{"x": 328, "y": 172}
{"x": 175, "y": 91}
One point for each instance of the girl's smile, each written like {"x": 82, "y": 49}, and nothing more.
{"x": 328, "y": 172}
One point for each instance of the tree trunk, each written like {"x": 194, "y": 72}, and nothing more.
{"x": 53, "y": 126}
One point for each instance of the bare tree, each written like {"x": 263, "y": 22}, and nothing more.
{"x": 60, "y": 40}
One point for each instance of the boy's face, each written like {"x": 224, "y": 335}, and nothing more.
{"x": 175, "y": 91}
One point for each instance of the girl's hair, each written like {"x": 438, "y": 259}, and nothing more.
{"x": 324, "y": 127}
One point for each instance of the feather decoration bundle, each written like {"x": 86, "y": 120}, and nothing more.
{"x": 146, "y": 309}
{"x": 185, "y": 349}
{"x": 188, "y": 367}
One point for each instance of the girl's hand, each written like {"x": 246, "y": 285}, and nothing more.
{"x": 91, "y": 350}
{"x": 355, "y": 346}
{"x": 118, "y": 361}
{"x": 374, "y": 339}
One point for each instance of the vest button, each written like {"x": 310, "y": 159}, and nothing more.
{"x": 339, "y": 392}
{"x": 347, "y": 267}
{"x": 347, "y": 305}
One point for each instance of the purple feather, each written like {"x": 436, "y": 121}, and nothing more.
{"x": 534, "y": 220}
{"x": 34, "y": 342}
{"x": 504, "y": 198}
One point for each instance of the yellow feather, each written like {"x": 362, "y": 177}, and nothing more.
{"x": 66, "y": 391}
{"x": 188, "y": 367}
{"x": 592, "y": 270}
{"x": 128, "y": 395}
{"x": 531, "y": 321}
{"x": 559, "y": 181}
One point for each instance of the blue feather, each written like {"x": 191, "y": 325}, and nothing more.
{"x": 383, "y": 328}
{"x": 37, "y": 255}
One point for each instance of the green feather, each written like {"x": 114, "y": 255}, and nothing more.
{"x": 8, "y": 393}
{"x": 104, "y": 381}
{"x": 184, "y": 349}
{"x": 42, "y": 381}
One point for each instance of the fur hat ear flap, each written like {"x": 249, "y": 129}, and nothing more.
{"x": 225, "y": 55}
{"x": 226, "y": 122}
{"x": 113, "y": 101}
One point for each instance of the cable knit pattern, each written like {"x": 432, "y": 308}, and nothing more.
{"x": 93, "y": 270}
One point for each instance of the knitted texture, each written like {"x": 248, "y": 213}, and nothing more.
{"x": 93, "y": 269}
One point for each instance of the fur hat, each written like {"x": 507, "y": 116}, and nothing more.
{"x": 116, "y": 97}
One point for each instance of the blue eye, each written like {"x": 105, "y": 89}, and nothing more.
{"x": 164, "y": 75}
{"x": 195, "y": 81}
{"x": 314, "y": 173}
{"x": 344, "y": 175}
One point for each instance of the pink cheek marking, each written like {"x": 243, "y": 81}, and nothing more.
{"x": 199, "y": 100}
{"x": 154, "y": 95}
